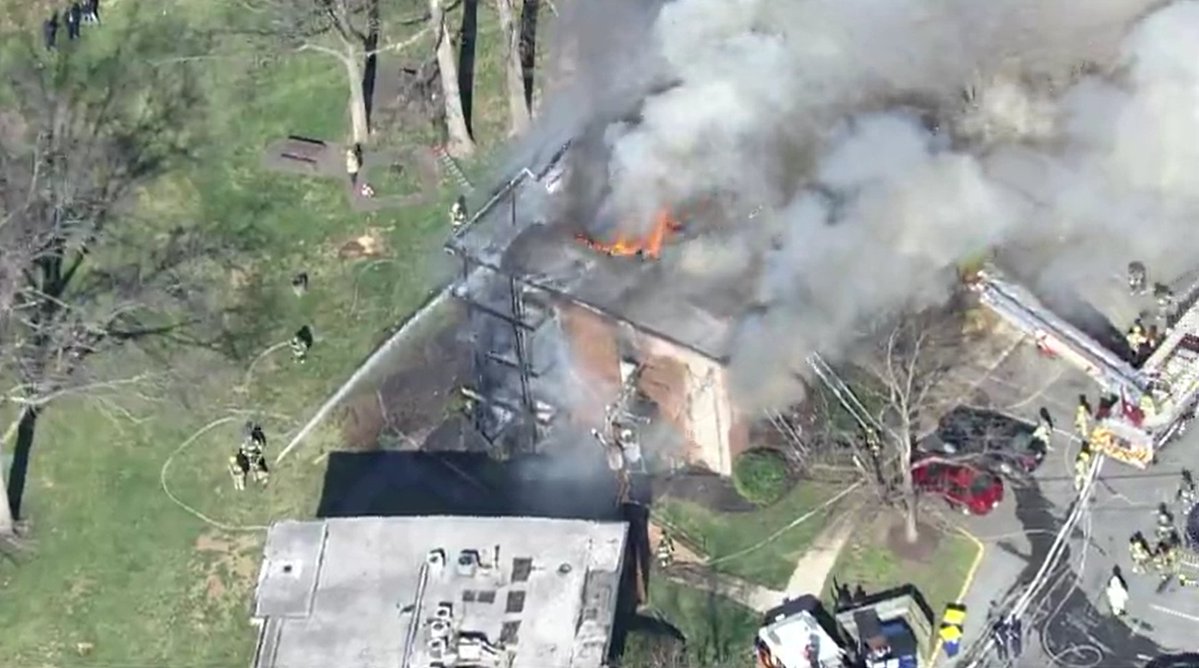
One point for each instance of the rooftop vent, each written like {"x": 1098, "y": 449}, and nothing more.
{"x": 437, "y": 648}
{"x": 522, "y": 567}
{"x": 436, "y": 558}
{"x": 468, "y": 563}
{"x": 444, "y": 612}
{"x": 439, "y": 628}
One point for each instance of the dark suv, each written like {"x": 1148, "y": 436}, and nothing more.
{"x": 991, "y": 439}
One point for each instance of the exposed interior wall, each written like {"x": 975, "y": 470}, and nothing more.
{"x": 691, "y": 390}
{"x": 595, "y": 353}
{"x": 709, "y": 422}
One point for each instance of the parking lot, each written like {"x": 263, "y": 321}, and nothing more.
{"x": 1069, "y": 622}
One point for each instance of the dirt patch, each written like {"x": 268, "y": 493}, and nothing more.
{"x": 225, "y": 562}
{"x": 920, "y": 551}
{"x": 414, "y": 399}
{"x": 369, "y": 244}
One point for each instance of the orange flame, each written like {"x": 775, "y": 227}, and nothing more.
{"x": 650, "y": 245}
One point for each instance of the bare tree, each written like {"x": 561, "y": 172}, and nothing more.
{"x": 348, "y": 30}
{"x": 460, "y": 144}
{"x": 912, "y": 355}
{"x": 511, "y": 27}
{"x": 80, "y": 273}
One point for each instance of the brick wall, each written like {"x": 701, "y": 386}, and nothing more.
{"x": 596, "y": 355}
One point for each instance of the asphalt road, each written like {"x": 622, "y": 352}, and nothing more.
{"x": 1069, "y": 623}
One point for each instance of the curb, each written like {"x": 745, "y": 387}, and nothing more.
{"x": 973, "y": 571}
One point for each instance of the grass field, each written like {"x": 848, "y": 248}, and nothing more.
{"x": 722, "y": 534}
{"x": 718, "y": 632}
{"x": 118, "y": 574}
{"x": 866, "y": 560}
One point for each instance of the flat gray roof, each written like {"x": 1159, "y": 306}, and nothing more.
{"x": 409, "y": 592}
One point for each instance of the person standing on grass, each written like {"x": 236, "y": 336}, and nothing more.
{"x": 74, "y": 17}
{"x": 91, "y": 11}
{"x": 301, "y": 343}
{"x": 50, "y": 31}
{"x": 354, "y": 163}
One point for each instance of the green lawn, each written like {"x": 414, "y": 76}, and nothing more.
{"x": 723, "y": 534}
{"x": 867, "y": 561}
{"x": 718, "y": 632}
{"x": 118, "y": 574}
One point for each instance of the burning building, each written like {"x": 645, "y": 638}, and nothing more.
{"x": 597, "y": 329}
{"x": 601, "y": 294}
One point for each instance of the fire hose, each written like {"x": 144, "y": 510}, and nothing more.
{"x": 1052, "y": 559}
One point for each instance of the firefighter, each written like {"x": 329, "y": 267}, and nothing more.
{"x": 299, "y": 283}
{"x": 1165, "y": 302}
{"x": 250, "y": 458}
{"x": 1042, "y": 433}
{"x": 1165, "y": 523}
{"x": 1136, "y": 338}
{"x": 458, "y": 213}
{"x": 1186, "y": 490}
{"x": 1082, "y": 417}
{"x": 1082, "y": 466}
{"x": 1138, "y": 549}
{"x": 301, "y": 343}
{"x": 1117, "y": 592}
{"x": 1137, "y": 277}
{"x": 1044, "y": 430}
{"x": 665, "y": 551}
{"x": 1164, "y": 559}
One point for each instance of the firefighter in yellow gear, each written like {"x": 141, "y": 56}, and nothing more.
{"x": 1043, "y": 433}
{"x": 1136, "y": 338}
{"x": 1082, "y": 467}
{"x": 665, "y": 552}
{"x": 1165, "y": 559}
{"x": 1138, "y": 549}
{"x": 1082, "y": 417}
{"x": 300, "y": 343}
{"x": 250, "y": 458}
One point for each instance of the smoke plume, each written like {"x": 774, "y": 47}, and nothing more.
{"x": 888, "y": 140}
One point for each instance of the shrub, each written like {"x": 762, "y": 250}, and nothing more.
{"x": 761, "y": 476}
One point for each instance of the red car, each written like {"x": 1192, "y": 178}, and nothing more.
{"x": 973, "y": 491}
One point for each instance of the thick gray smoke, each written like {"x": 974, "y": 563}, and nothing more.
{"x": 889, "y": 139}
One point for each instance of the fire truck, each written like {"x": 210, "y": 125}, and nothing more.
{"x": 1146, "y": 406}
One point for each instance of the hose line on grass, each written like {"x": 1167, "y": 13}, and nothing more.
{"x": 790, "y": 525}
{"x": 162, "y": 479}
{"x": 245, "y": 383}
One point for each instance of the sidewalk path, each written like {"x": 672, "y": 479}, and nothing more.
{"x": 753, "y": 596}
{"x": 814, "y": 566}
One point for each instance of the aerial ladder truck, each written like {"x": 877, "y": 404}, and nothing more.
{"x": 1148, "y": 405}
